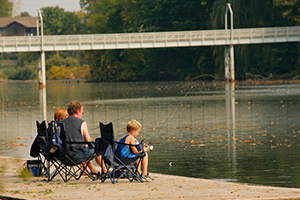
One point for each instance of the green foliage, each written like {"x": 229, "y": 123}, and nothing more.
{"x": 104, "y": 16}
{"x": 105, "y": 65}
{"x": 53, "y": 20}
{"x": 72, "y": 24}
{"x": 26, "y": 68}
{"x": 291, "y": 12}
{"x": 28, "y": 58}
{"x": 133, "y": 62}
{"x": 2, "y": 75}
{"x": 24, "y": 14}
{"x": 63, "y": 72}
{"x": 6, "y": 8}
{"x": 59, "y": 68}
{"x": 22, "y": 73}
{"x": 56, "y": 60}
{"x": 59, "y": 22}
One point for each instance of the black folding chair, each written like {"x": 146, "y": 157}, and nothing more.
{"x": 121, "y": 167}
{"x": 38, "y": 146}
{"x": 64, "y": 165}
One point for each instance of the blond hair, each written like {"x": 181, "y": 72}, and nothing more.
{"x": 60, "y": 113}
{"x": 133, "y": 125}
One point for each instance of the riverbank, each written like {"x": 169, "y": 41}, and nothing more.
{"x": 163, "y": 187}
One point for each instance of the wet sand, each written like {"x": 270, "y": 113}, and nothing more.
{"x": 163, "y": 187}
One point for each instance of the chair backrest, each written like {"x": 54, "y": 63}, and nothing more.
{"x": 57, "y": 127}
{"x": 41, "y": 128}
{"x": 105, "y": 145}
{"x": 39, "y": 142}
{"x": 55, "y": 143}
{"x": 107, "y": 132}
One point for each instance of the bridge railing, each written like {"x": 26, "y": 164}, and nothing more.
{"x": 149, "y": 39}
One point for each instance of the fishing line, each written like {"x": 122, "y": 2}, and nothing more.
{"x": 151, "y": 141}
{"x": 115, "y": 120}
{"x": 165, "y": 149}
{"x": 134, "y": 112}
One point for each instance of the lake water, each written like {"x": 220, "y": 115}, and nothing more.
{"x": 244, "y": 132}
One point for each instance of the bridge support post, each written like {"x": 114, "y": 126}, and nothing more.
{"x": 231, "y": 63}
{"x": 42, "y": 70}
{"x": 227, "y": 62}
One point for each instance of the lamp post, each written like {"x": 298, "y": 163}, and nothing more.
{"x": 42, "y": 71}
{"x": 42, "y": 82}
{"x": 229, "y": 59}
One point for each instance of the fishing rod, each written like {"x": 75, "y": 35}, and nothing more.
{"x": 151, "y": 141}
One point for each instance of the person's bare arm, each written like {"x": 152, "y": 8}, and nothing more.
{"x": 133, "y": 148}
{"x": 85, "y": 132}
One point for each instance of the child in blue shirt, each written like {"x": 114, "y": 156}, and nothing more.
{"x": 133, "y": 128}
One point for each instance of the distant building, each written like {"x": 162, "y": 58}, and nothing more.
{"x": 17, "y": 26}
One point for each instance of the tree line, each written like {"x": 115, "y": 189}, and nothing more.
{"x": 276, "y": 61}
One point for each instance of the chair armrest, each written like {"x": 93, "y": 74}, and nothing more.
{"x": 139, "y": 146}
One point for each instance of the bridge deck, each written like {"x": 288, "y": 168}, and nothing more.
{"x": 149, "y": 39}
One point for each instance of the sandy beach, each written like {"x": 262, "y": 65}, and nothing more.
{"x": 13, "y": 186}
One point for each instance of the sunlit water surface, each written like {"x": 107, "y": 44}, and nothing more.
{"x": 244, "y": 132}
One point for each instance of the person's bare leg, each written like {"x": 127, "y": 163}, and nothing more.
{"x": 92, "y": 167}
{"x": 101, "y": 163}
{"x": 145, "y": 164}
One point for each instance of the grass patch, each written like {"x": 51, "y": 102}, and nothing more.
{"x": 15, "y": 191}
{"x": 25, "y": 173}
{"x": 47, "y": 191}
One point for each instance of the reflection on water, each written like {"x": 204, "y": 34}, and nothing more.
{"x": 242, "y": 132}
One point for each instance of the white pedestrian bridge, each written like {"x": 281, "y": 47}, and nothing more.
{"x": 149, "y": 39}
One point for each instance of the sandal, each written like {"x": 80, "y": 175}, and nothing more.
{"x": 96, "y": 175}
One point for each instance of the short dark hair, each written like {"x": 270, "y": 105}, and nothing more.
{"x": 74, "y": 107}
